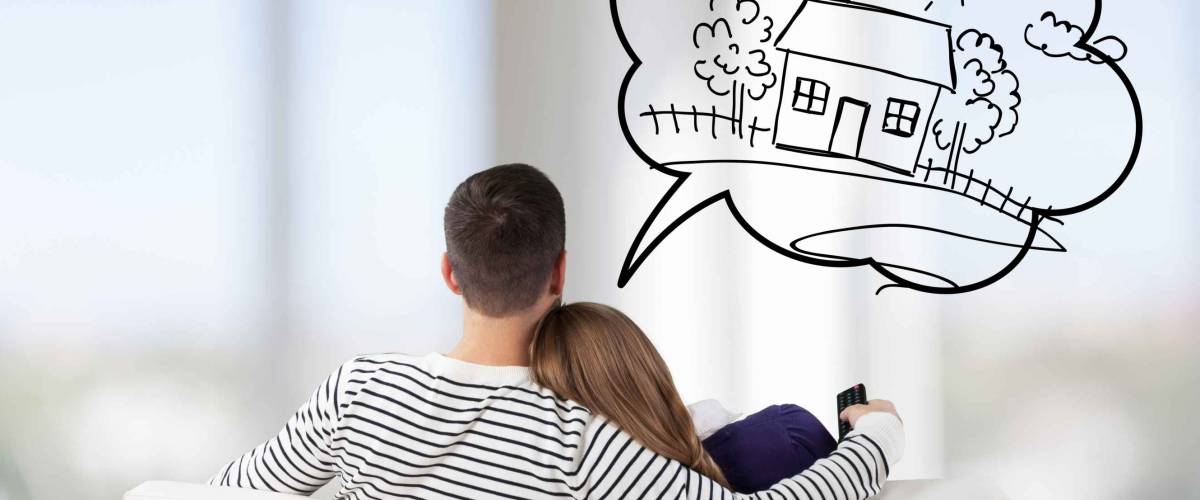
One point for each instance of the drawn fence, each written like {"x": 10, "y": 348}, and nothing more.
{"x": 697, "y": 117}
{"x": 952, "y": 180}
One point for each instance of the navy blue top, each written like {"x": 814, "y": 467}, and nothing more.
{"x": 776, "y": 443}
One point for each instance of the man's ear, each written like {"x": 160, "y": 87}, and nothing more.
{"x": 558, "y": 278}
{"x": 448, "y": 275}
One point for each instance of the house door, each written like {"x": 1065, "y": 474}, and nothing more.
{"x": 848, "y": 127}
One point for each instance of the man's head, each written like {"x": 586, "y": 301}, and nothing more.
{"x": 505, "y": 232}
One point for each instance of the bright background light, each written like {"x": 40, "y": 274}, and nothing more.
{"x": 206, "y": 206}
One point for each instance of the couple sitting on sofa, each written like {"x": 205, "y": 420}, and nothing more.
{"x": 543, "y": 400}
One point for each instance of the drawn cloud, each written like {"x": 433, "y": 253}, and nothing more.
{"x": 1057, "y": 38}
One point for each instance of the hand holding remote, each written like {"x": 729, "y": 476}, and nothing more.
{"x": 855, "y": 395}
{"x": 853, "y": 412}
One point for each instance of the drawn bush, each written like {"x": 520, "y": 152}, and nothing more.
{"x": 984, "y": 104}
{"x": 734, "y": 52}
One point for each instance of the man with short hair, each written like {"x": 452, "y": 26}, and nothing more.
{"x": 471, "y": 424}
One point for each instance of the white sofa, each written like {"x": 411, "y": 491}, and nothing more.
{"x": 920, "y": 489}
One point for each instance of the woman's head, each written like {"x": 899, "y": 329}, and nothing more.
{"x": 597, "y": 356}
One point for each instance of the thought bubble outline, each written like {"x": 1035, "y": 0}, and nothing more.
{"x": 634, "y": 259}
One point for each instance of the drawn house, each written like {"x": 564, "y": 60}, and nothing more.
{"x": 860, "y": 82}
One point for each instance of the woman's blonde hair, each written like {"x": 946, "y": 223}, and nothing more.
{"x": 595, "y": 355}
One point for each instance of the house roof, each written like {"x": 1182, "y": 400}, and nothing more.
{"x": 871, "y": 37}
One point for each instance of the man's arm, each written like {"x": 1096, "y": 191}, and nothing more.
{"x": 855, "y": 470}
{"x": 298, "y": 459}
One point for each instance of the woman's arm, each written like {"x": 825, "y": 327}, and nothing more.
{"x": 855, "y": 470}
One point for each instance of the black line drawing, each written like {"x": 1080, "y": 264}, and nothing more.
{"x": 849, "y": 127}
{"x": 961, "y": 3}
{"x": 734, "y": 55}
{"x": 712, "y": 116}
{"x": 1062, "y": 39}
{"x": 984, "y": 104}
{"x": 899, "y": 117}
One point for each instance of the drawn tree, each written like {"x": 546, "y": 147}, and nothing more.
{"x": 734, "y": 48}
{"x": 984, "y": 104}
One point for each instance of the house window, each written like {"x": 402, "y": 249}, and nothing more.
{"x": 900, "y": 118}
{"x": 810, "y": 96}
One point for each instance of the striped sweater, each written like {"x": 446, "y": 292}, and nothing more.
{"x": 399, "y": 426}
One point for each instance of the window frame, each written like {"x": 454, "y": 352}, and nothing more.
{"x": 810, "y": 97}
{"x": 900, "y": 130}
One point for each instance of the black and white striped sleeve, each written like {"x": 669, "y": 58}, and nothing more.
{"x": 297, "y": 460}
{"x": 857, "y": 469}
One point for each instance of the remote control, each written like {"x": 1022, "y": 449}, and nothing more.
{"x": 856, "y": 395}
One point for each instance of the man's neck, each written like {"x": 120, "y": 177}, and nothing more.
{"x": 496, "y": 341}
